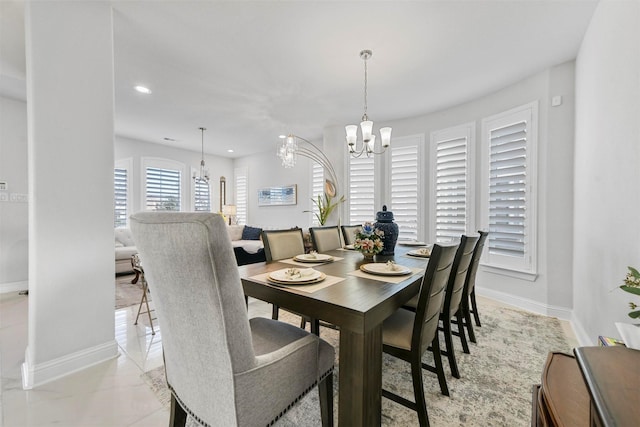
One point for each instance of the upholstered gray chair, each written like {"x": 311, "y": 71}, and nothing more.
{"x": 222, "y": 368}
{"x": 408, "y": 334}
{"x": 282, "y": 244}
{"x": 325, "y": 238}
{"x": 349, "y": 233}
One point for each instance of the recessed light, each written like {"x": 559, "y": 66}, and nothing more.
{"x": 229, "y": 150}
{"x": 282, "y": 136}
{"x": 143, "y": 89}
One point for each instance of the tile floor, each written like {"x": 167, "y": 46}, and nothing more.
{"x": 112, "y": 393}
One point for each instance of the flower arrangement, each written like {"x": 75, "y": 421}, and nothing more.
{"x": 369, "y": 239}
{"x": 632, "y": 285}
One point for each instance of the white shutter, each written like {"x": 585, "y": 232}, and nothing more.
{"x": 121, "y": 189}
{"x": 510, "y": 177}
{"x": 241, "y": 183}
{"x": 317, "y": 189}
{"x": 202, "y": 196}
{"x": 162, "y": 189}
{"x": 361, "y": 190}
{"x": 404, "y": 190}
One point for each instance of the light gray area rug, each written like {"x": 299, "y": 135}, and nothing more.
{"x": 495, "y": 384}
{"x": 127, "y": 294}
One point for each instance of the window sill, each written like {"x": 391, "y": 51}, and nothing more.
{"x": 518, "y": 274}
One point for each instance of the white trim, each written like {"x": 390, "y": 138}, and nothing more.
{"x": 510, "y": 272}
{"x": 584, "y": 339}
{"x": 37, "y": 375}
{"x": 158, "y": 162}
{"x": 8, "y": 287}
{"x": 562, "y": 313}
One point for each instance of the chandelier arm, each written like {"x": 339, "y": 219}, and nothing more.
{"x": 321, "y": 160}
{"x": 325, "y": 160}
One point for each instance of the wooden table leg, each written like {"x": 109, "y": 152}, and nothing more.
{"x": 360, "y": 380}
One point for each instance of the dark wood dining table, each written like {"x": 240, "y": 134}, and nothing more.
{"x": 358, "y": 306}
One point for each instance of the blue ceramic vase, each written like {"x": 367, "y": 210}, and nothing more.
{"x": 384, "y": 222}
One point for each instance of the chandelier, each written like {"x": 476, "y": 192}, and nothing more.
{"x": 204, "y": 173}
{"x": 289, "y": 149}
{"x": 368, "y": 139}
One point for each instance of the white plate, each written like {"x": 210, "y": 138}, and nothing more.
{"x": 295, "y": 275}
{"x": 384, "y": 269}
{"x": 420, "y": 253}
{"x": 313, "y": 258}
{"x": 349, "y": 247}
{"x": 292, "y": 283}
{"x": 411, "y": 243}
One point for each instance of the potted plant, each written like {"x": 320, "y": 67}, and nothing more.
{"x": 369, "y": 240}
{"x": 326, "y": 204}
{"x": 632, "y": 285}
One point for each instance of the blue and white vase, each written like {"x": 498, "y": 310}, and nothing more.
{"x": 384, "y": 222}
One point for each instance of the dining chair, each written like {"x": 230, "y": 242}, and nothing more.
{"x": 349, "y": 233}
{"x": 283, "y": 244}
{"x": 407, "y": 334}
{"x": 221, "y": 367}
{"x": 468, "y": 305}
{"x": 325, "y": 238}
{"x": 453, "y": 300}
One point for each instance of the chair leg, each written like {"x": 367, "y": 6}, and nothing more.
{"x": 325, "y": 389}
{"x": 474, "y": 307}
{"x": 418, "y": 391}
{"x": 439, "y": 367}
{"x": 274, "y": 312}
{"x": 178, "y": 416}
{"x": 461, "y": 333}
{"x": 449, "y": 348}
{"x": 469, "y": 324}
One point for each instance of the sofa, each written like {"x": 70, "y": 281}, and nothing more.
{"x": 124, "y": 248}
{"x": 247, "y": 243}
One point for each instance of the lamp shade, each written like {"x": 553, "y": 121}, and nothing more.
{"x": 385, "y": 136}
{"x": 229, "y": 210}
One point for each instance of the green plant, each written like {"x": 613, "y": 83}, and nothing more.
{"x": 632, "y": 285}
{"x": 326, "y": 205}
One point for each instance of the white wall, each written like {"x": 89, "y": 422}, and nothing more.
{"x": 136, "y": 150}
{"x": 265, "y": 170}
{"x": 14, "y": 266}
{"x": 551, "y": 292}
{"x": 607, "y": 168}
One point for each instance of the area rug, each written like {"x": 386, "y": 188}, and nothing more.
{"x": 495, "y": 384}
{"x": 127, "y": 294}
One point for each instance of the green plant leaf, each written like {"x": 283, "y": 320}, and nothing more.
{"x": 634, "y": 314}
{"x": 634, "y": 272}
{"x": 631, "y": 289}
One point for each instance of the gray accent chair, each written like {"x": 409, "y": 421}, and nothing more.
{"x": 408, "y": 334}
{"x": 222, "y": 368}
{"x": 325, "y": 238}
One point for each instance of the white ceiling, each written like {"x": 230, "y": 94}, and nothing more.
{"x": 250, "y": 71}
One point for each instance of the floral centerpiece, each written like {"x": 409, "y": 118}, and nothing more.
{"x": 369, "y": 240}
{"x": 632, "y": 285}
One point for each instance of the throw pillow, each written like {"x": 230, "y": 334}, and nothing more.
{"x": 251, "y": 233}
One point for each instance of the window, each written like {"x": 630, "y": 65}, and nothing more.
{"x": 361, "y": 190}
{"x": 201, "y": 196}
{"x": 241, "y": 182}
{"x": 121, "y": 188}
{"x": 405, "y": 183}
{"x": 162, "y": 185}
{"x": 451, "y": 160}
{"x": 317, "y": 189}
{"x": 509, "y": 175}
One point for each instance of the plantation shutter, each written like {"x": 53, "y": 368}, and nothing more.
{"x": 202, "y": 196}
{"x": 241, "y": 196}
{"x": 404, "y": 190}
{"x": 361, "y": 190}
{"x": 508, "y": 189}
{"x": 451, "y": 188}
{"x": 317, "y": 189}
{"x": 121, "y": 186}
{"x": 162, "y": 189}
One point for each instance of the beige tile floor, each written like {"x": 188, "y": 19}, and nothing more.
{"x": 112, "y": 393}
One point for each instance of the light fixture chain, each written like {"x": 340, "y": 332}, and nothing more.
{"x": 365, "y": 87}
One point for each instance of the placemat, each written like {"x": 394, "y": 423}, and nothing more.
{"x": 308, "y": 264}
{"x": 415, "y": 257}
{"x": 388, "y": 279}
{"x": 330, "y": 280}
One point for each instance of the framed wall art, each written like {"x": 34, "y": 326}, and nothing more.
{"x": 278, "y": 196}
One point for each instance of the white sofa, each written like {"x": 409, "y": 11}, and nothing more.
{"x": 124, "y": 248}
{"x": 247, "y": 251}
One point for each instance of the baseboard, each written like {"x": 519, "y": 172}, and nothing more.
{"x": 8, "y": 287}
{"x": 583, "y": 337}
{"x": 37, "y": 375}
{"x": 527, "y": 304}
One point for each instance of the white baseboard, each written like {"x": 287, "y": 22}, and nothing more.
{"x": 584, "y": 338}
{"x": 36, "y": 375}
{"x": 14, "y": 286}
{"x": 563, "y": 313}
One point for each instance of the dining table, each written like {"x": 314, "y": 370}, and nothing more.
{"x": 357, "y": 303}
